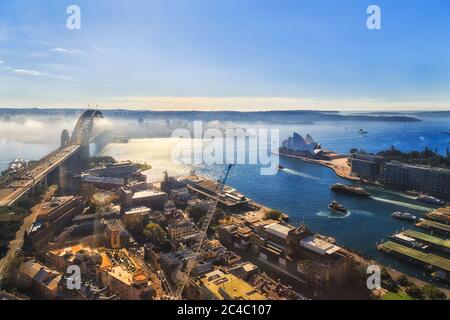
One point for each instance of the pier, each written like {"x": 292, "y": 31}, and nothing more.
{"x": 427, "y": 260}
{"x": 438, "y": 243}
{"x": 434, "y": 226}
{"x": 441, "y": 215}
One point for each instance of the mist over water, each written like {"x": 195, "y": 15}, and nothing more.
{"x": 156, "y": 152}
{"x": 31, "y": 138}
{"x": 35, "y": 131}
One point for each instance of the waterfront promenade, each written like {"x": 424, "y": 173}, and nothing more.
{"x": 338, "y": 163}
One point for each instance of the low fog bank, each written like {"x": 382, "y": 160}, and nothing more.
{"x": 47, "y": 130}
{"x": 36, "y": 130}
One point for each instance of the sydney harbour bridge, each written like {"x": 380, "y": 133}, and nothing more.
{"x": 64, "y": 163}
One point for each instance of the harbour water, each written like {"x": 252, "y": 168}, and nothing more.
{"x": 302, "y": 190}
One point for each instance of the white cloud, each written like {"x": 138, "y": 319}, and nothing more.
{"x": 29, "y": 72}
{"x": 38, "y": 55}
{"x": 1, "y": 61}
{"x": 67, "y": 50}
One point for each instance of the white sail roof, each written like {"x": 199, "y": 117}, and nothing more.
{"x": 297, "y": 143}
{"x": 309, "y": 139}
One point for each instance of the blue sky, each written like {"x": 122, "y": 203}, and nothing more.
{"x": 226, "y": 54}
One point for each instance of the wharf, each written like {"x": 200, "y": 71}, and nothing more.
{"x": 425, "y": 259}
{"x": 441, "y": 215}
{"x": 429, "y": 239}
{"x": 435, "y": 226}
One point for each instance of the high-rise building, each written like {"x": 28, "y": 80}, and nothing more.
{"x": 113, "y": 231}
{"x": 415, "y": 177}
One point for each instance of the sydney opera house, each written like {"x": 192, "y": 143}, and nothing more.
{"x": 302, "y": 146}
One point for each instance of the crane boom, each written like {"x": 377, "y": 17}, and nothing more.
{"x": 203, "y": 230}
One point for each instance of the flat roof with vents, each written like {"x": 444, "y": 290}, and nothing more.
{"x": 278, "y": 230}
{"x": 318, "y": 245}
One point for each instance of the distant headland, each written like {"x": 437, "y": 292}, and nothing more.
{"x": 280, "y": 116}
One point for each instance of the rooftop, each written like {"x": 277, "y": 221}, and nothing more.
{"x": 103, "y": 180}
{"x": 226, "y": 286}
{"x": 52, "y": 204}
{"x": 141, "y": 210}
{"x": 318, "y": 245}
{"x": 418, "y": 166}
{"x": 147, "y": 194}
{"x": 41, "y": 274}
{"x": 278, "y": 229}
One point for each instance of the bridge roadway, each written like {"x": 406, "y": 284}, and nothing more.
{"x": 33, "y": 175}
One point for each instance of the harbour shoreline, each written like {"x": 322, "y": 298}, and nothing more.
{"x": 339, "y": 164}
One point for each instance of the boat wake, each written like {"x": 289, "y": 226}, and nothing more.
{"x": 404, "y": 204}
{"x": 329, "y": 214}
{"x": 396, "y": 193}
{"x": 363, "y": 213}
{"x": 301, "y": 174}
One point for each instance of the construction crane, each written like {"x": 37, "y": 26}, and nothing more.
{"x": 191, "y": 261}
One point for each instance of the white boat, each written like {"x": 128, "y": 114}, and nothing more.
{"x": 404, "y": 216}
{"x": 429, "y": 199}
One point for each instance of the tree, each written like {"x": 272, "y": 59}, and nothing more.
{"x": 415, "y": 292}
{"x": 166, "y": 246}
{"x": 387, "y": 281}
{"x": 134, "y": 223}
{"x": 433, "y": 293}
{"x": 196, "y": 212}
{"x": 403, "y": 281}
{"x": 414, "y": 154}
{"x": 154, "y": 232}
{"x": 273, "y": 215}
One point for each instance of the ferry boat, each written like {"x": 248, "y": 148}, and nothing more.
{"x": 405, "y": 216}
{"x": 359, "y": 191}
{"x": 429, "y": 199}
{"x": 337, "y": 207}
{"x": 413, "y": 193}
{"x": 361, "y": 131}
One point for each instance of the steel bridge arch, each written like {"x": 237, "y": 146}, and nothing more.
{"x": 83, "y": 129}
